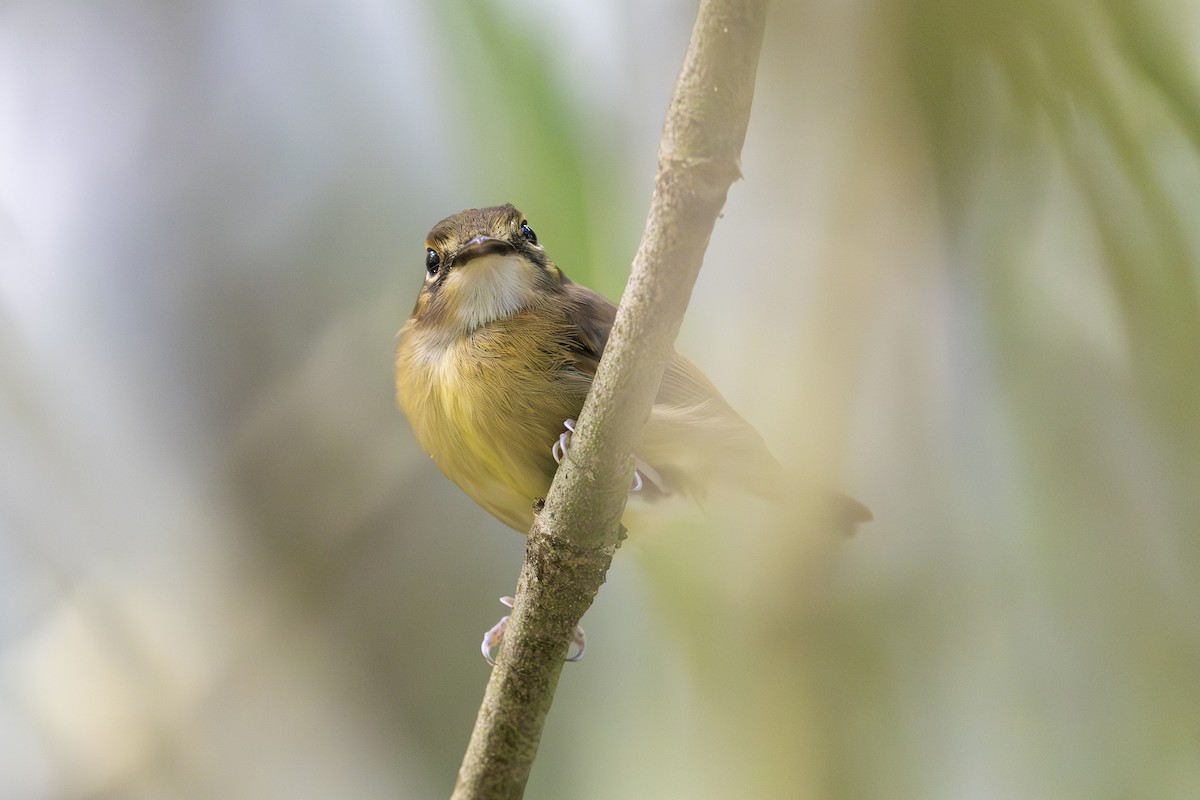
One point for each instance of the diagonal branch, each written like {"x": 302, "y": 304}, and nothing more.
{"x": 572, "y": 540}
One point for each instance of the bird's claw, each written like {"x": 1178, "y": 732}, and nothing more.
{"x": 579, "y": 639}
{"x": 559, "y": 451}
{"x": 493, "y": 638}
{"x": 495, "y": 635}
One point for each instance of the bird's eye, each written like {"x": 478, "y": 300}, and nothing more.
{"x": 528, "y": 233}
{"x": 432, "y": 261}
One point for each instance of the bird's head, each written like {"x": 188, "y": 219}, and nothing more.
{"x": 483, "y": 264}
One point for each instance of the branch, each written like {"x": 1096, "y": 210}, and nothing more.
{"x": 570, "y": 546}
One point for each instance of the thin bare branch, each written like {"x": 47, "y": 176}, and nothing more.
{"x": 570, "y": 546}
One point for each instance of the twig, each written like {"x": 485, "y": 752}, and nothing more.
{"x": 570, "y": 546}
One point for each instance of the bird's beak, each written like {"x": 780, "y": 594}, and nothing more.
{"x": 482, "y": 246}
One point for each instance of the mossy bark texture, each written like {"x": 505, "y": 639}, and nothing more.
{"x": 572, "y": 541}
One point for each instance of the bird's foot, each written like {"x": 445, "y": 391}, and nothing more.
{"x": 559, "y": 451}
{"x": 493, "y": 638}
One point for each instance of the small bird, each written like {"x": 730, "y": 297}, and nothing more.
{"x": 493, "y": 366}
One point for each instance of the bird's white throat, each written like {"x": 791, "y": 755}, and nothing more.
{"x": 490, "y": 287}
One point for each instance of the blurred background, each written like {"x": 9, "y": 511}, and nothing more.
{"x": 959, "y": 281}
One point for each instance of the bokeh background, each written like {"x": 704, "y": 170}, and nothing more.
{"x": 959, "y": 280}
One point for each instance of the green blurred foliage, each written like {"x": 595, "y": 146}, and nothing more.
{"x": 533, "y": 156}
{"x": 959, "y": 280}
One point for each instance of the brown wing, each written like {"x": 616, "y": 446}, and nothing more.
{"x": 693, "y": 435}
{"x": 592, "y": 315}
{"x": 683, "y": 384}
{"x": 692, "y": 430}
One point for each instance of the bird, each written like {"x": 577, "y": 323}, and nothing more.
{"x": 496, "y": 359}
